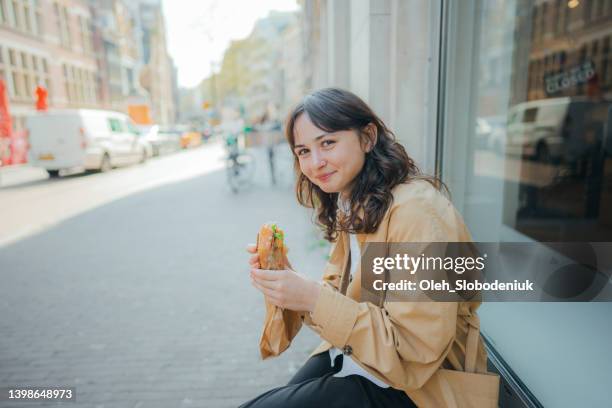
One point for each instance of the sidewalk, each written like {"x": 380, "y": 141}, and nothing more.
{"x": 19, "y": 174}
{"x": 145, "y": 300}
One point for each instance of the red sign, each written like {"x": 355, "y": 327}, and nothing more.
{"x": 5, "y": 117}
{"x": 13, "y": 145}
{"x": 41, "y": 98}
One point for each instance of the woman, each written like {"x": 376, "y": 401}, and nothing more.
{"x": 364, "y": 188}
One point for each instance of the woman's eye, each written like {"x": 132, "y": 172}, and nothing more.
{"x": 302, "y": 152}
{"x": 326, "y": 143}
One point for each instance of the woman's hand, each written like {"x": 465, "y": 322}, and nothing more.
{"x": 284, "y": 288}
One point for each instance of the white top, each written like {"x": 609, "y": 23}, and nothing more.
{"x": 349, "y": 367}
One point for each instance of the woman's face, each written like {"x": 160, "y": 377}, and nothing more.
{"x": 331, "y": 160}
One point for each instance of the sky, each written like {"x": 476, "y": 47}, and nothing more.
{"x": 199, "y": 31}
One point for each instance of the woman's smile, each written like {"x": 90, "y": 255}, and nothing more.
{"x": 325, "y": 176}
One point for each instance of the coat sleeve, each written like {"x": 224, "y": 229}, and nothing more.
{"x": 331, "y": 280}
{"x": 332, "y": 274}
{"x": 403, "y": 343}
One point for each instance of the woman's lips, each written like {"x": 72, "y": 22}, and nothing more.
{"x": 326, "y": 176}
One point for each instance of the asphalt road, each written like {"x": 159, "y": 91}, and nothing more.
{"x": 132, "y": 286}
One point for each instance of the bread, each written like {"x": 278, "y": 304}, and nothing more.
{"x": 271, "y": 247}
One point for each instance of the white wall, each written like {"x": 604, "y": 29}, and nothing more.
{"x": 386, "y": 51}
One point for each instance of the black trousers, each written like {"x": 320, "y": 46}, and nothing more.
{"x": 314, "y": 386}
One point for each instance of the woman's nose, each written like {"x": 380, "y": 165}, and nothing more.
{"x": 318, "y": 160}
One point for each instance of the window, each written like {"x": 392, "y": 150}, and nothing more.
{"x": 115, "y": 125}
{"x": 3, "y": 16}
{"x": 16, "y": 14}
{"x": 66, "y": 27}
{"x": 79, "y": 84}
{"x": 27, "y": 17}
{"x": 62, "y": 19}
{"x": 86, "y": 36}
{"x": 25, "y": 60}
{"x": 530, "y": 115}
{"x": 543, "y": 173}
{"x": 38, "y": 18}
{"x": 131, "y": 128}
{"x": 67, "y": 81}
{"x": 17, "y": 74}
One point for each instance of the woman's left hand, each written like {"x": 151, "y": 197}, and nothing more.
{"x": 287, "y": 288}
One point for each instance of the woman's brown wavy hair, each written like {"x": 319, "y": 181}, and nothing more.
{"x": 386, "y": 165}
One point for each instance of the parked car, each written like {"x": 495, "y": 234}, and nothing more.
{"x": 143, "y": 139}
{"x": 552, "y": 130}
{"x": 150, "y": 134}
{"x": 169, "y": 140}
{"x": 82, "y": 139}
{"x": 191, "y": 139}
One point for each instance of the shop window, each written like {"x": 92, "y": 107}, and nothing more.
{"x": 529, "y": 159}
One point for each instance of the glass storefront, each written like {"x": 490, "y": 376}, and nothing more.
{"x": 526, "y": 142}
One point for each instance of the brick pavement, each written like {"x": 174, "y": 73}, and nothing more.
{"x": 146, "y": 302}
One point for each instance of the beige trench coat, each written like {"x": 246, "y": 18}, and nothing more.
{"x": 404, "y": 344}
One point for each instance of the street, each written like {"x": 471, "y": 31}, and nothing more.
{"x": 132, "y": 286}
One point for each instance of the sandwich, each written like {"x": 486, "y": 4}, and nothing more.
{"x": 271, "y": 247}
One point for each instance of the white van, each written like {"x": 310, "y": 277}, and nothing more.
{"x": 82, "y": 139}
{"x": 552, "y": 130}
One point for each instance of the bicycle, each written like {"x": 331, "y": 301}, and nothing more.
{"x": 240, "y": 166}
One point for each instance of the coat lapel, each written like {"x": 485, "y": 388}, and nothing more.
{"x": 346, "y": 263}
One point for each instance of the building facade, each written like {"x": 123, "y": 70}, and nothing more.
{"x": 157, "y": 76}
{"x": 55, "y": 52}
{"x": 87, "y": 54}
{"x": 510, "y": 103}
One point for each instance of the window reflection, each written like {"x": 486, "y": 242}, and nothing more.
{"x": 544, "y": 124}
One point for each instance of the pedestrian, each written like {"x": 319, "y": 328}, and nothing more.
{"x": 363, "y": 186}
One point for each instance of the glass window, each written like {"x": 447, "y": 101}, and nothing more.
{"x": 2, "y": 12}
{"x": 16, "y": 14}
{"x": 528, "y": 157}
{"x": 38, "y": 17}
{"x": 12, "y": 58}
{"x": 26, "y": 18}
{"x": 25, "y": 60}
{"x": 28, "y": 91}
{"x": 115, "y": 125}
{"x": 530, "y": 115}
{"x": 131, "y": 128}
{"x": 17, "y": 84}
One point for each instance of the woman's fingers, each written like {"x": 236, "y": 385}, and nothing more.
{"x": 264, "y": 274}
{"x": 272, "y": 285}
{"x": 268, "y": 293}
{"x": 254, "y": 261}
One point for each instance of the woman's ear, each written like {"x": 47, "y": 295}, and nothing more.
{"x": 372, "y": 134}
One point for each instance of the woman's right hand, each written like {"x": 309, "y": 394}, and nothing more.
{"x": 254, "y": 259}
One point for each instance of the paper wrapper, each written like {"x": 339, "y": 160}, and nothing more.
{"x": 276, "y": 336}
